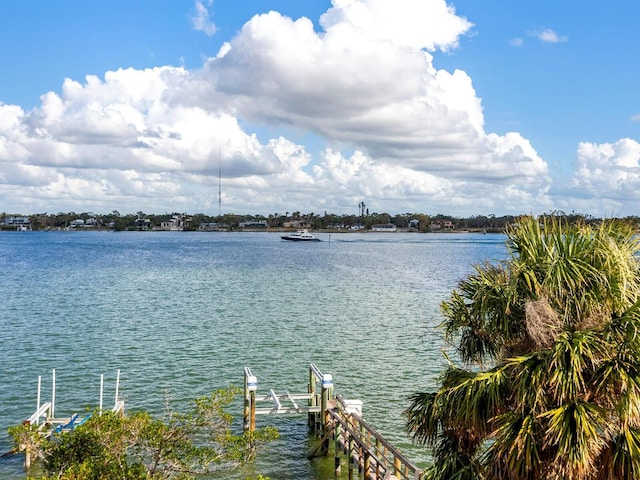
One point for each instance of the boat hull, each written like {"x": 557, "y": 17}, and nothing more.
{"x": 298, "y": 239}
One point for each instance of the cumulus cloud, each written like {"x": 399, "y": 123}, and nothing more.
{"x": 426, "y": 25}
{"x": 609, "y": 170}
{"x": 387, "y": 126}
{"x": 366, "y": 86}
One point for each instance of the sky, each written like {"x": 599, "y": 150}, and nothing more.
{"x": 461, "y": 108}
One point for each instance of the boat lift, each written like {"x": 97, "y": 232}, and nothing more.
{"x": 46, "y": 411}
{"x": 44, "y": 416}
{"x": 315, "y": 404}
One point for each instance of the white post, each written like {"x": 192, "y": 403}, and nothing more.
{"x": 117, "y": 384}
{"x": 101, "y": 390}
{"x": 38, "y": 406}
{"x": 53, "y": 394}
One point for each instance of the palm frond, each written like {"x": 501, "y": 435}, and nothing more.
{"x": 420, "y": 422}
{"x": 574, "y": 357}
{"x": 620, "y": 457}
{"x": 529, "y": 376}
{"x": 451, "y": 463}
{"x": 515, "y": 453}
{"x": 573, "y": 431}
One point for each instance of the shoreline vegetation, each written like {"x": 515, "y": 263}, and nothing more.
{"x": 288, "y": 221}
{"x": 178, "y": 445}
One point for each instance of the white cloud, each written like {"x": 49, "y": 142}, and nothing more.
{"x": 354, "y": 86}
{"x": 549, "y": 36}
{"x": 387, "y": 128}
{"x": 608, "y": 172}
{"x": 427, "y": 24}
{"x": 201, "y": 19}
{"x": 14, "y": 141}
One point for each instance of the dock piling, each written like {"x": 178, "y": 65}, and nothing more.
{"x": 250, "y": 387}
{"x": 101, "y": 393}
{"x": 117, "y": 385}
{"x": 336, "y": 448}
{"x": 53, "y": 393}
{"x": 38, "y": 400}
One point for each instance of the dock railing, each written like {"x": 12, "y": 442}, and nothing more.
{"x": 374, "y": 456}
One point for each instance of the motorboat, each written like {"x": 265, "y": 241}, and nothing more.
{"x": 301, "y": 236}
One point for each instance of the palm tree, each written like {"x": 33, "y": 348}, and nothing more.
{"x": 550, "y": 346}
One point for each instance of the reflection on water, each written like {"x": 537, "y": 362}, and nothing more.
{"x": 181, "y": 314}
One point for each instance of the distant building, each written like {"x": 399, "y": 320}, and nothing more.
{"x": 441, "y": 224}
{"x": 253, "y": 224}
{"x": 175, "y": 223}
{"x": 17, "y": 221}
{"x": 212, "y": 226}
{"x": 384, "y": 227}
{"x": 296, "y": 224}
{"x": 142, "y": 223}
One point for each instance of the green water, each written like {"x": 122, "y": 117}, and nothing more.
{"x": 181, "y": 314}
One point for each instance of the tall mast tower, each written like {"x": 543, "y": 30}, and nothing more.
{"x": 219, "y": 184}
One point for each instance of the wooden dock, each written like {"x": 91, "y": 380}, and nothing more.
{"x": 338, "y": 423}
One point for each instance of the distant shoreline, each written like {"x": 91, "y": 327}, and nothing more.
{"x": 257, "y": 230}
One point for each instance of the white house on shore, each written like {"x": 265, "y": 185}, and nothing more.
{"x": 175, "y": 223}
{"x": 384, "y": 227}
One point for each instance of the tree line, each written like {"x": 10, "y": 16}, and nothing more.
{"x": 327, "y": 221}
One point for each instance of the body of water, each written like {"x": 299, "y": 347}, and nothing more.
{"x": 182, "y": 313}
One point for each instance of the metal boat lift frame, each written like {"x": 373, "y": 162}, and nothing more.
{"x": 316, "y": 403}
{"x": 46, "y": 411}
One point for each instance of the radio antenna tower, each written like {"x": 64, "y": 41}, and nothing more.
{"x": 219, "y": 193}
{"x": 219, "y": 187}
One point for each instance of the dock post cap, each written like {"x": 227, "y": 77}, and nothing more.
{"x": 252, "y": 380}
{"x": 252, "y": 383}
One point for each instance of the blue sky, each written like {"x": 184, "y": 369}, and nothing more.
{"x": 580, "y": 87}
{"x": 463, "y": 108}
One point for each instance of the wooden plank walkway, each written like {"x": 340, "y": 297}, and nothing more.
{"x": 374, "y": 457}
